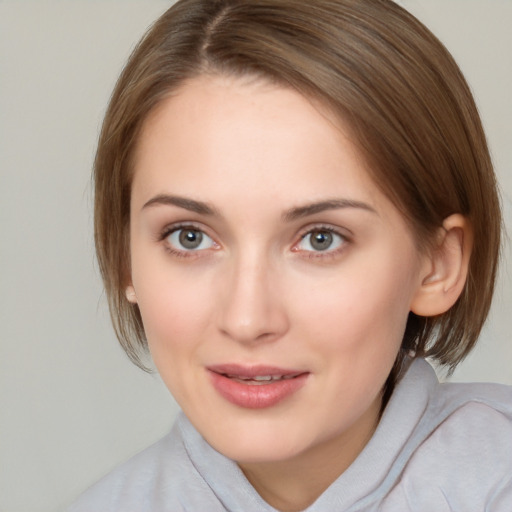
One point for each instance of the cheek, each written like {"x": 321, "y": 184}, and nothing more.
{"x": 362, "y": 309}
{"x": 173, "y": 308}
{"x": 176, "y": 318}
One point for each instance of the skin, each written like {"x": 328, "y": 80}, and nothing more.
{"x": 257, "y": 291}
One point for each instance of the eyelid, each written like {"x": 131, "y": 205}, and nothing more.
{"x": 190, "y": 253}
{"x": 190, "y": 224}
{"x": 344, "y": 234}
{"x": 341, "y": 231}
{"x": 171, "y": 228}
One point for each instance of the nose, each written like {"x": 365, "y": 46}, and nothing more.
{"x": 252, "y": 307}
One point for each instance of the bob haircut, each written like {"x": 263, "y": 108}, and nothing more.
{"x": 409, "y": 109}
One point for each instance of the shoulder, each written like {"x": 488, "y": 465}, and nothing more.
{"x": 473, "y": 420}
{"x": 475, "y": 433}
{"x": 128, "y": 486}
{"x": 466, "y": 458}
{"x": 162, "y": 477}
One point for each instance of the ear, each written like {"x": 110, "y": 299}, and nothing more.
{"x": 445, "y": 268}
{"x": 130, "y": 294}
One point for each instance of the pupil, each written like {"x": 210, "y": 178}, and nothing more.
{"x": 321, "y": 240}
{"x": 190, "y": 239}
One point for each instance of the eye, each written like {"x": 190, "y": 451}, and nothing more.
{"x": 189, "y": 239}
{"x": 321, "y": 240}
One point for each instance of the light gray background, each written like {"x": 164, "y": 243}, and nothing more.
{"x": 71, "y": 405}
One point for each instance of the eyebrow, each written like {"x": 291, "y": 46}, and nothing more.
{"x": 292, "y": 214}
{"x": 182, "y": 202}
{"x": 300, "y": 212}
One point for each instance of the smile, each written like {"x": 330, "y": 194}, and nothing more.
{"x": 256, "y": 387}
{"x": 259, "y": 380}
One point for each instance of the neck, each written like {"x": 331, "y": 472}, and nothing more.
{"x": 292, "y": 485}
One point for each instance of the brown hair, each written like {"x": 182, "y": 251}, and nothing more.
{"x": 384, "y": 73}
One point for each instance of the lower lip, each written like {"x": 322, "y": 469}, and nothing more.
{"x": 256, "y": 396}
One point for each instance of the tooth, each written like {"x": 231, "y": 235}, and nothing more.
{"x": 261, "y": 378}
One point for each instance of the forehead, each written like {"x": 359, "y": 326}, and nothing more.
{"x": 222, "y": 138}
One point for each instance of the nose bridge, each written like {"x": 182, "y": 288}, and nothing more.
{"x": 251, "y": 308}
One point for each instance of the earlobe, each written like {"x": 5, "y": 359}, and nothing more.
{"x": 446, "y": 268}
{"x": 130, "y": 294}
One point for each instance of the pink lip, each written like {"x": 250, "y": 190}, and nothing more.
{"x": 235, "y": 384}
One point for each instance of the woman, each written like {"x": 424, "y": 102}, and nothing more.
{"x": 294, "y": 206}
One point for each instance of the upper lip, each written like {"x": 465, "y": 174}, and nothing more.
{"x": 251, "y": 371}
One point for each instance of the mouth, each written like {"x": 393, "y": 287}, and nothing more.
{"x": 259, "y": 380}
{"x": 256, "y": 387}
{"x": 257, "y": 374}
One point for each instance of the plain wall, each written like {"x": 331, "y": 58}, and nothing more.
{"x": 71, "y": 404}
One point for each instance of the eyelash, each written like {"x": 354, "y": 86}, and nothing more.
{"x": 169, "y": 230}
{"x": 328, "y": 253}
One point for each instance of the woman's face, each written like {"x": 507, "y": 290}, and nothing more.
{"x": 274, "y": 279}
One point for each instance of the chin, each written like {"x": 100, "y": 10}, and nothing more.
{"x": 257, "y": 444}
